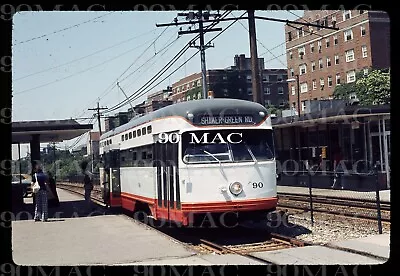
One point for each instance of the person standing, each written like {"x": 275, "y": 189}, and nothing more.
{"x": 54, "y": 201}
{"x": 88, "y": 186}
{"x": 41, "y": 207}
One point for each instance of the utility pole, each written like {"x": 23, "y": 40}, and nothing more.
{"x": 98, "y": 114}
{"x": 255, "y": 68}
{"x": 201, "y": 16}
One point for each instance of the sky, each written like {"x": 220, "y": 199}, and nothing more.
{"x": 66, "y": 62}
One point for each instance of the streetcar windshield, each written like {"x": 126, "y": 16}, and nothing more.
{"x": 214, "y": 146}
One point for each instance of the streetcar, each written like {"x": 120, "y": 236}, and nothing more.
{"x": 192, "y": 159}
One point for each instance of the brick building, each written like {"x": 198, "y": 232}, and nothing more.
{"x": 234, "y": 82}
{"x": 324, "y": 58}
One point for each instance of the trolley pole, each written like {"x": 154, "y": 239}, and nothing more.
{"x": 98, "y": 108}
{"x": 203, "y": 56}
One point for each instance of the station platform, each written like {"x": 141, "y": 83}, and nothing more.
{"x": 75, "y": 237}
{"x": 384, "y": 195}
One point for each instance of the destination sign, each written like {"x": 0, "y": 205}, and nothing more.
{"x": 226, "y": 120}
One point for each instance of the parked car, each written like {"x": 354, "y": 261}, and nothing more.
{"x": 25, "y": 180}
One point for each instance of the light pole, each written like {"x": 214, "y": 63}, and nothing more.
{"x": 298, "y": 92}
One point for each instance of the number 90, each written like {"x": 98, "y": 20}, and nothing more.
{"x": 168, "y": 137}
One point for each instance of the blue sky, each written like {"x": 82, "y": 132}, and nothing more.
{"x": 64, "y": 62}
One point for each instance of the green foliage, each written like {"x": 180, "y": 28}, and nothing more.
{"x": 371, "y": 89}
{"x": 375, "y": 88}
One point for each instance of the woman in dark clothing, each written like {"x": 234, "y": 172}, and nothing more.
{"x": 53, "y": 201}
{"x": 41, "y": 209}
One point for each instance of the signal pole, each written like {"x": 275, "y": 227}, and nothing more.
{"x": 201, "y": 16}
{"x": 98, "y": 114}
{"x": 255, "y": 68}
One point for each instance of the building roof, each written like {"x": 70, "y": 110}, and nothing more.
{"x": 331, "y": 115}
{"x": 201, "y": 107}
{"x": 49, "y": 130}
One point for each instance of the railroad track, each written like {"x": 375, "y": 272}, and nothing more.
{"x": 355, "y": 208}
{"x": 273, "y": 241}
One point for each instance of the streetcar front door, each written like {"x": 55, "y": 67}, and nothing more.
{"x": 168, "y": 194}
{"x": 115, "y": 180}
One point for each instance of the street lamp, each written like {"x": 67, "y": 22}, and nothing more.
{"x": 298, "y": 92}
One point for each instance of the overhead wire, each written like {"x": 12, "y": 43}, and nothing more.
{"x": 84, "y": 57}
{"x": 80, "y": 72}
{"x": 114, "y": 83}
{"x": 162, "y": 71}
{"x": 139, "y": 94}
{"x": 64, "y": 29}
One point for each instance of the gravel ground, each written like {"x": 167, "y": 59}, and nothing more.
{"x": 328, "y": 228}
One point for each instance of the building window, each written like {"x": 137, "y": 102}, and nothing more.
{"x": 327, "y": 42}
{"x": 337, "y": 59}
{"x": 351, "y": 76}
{"x": 325, "y": 21}
{"x": 303, "y": 87}
{"x": 293, "y": 90}
{"x": 280, "y": 78}
{"x": 365, "y": 71}
{"x": 363, "y": 31}
{"x": 335, "y": 40}
{"x": 199, "y": 95}
{"x": 320, "y": 63}
{"x": 302, "y": 69}
{"x": 290, "y": 55}
{"x": 314, "y": 84}
{"x": 362, "y": 11}
{"x": 337, "y": 78}
{"x": 291, "y": 72}
{"x": 350, "y": 55}
{"x": 333, "y": 20}
{"x": 328, "y": 61}
{"x": 302, "y": 52}
{"x": 267, "y": 90}
{"x": 266, "y": 78}
{"x": 249, "y": 90}
{"x": 348, "y": 35}
{"x": 303, "y": 105}
{"x": 319, "y": 46}
{"x": 346, "y": 15}
{"x": 298, "y": 33}
{"x": 267, "y": 102}
{"x": 188, "y": 98}
{"x": 280, "y": 90}
{"x": 321, "y": 82}
{"x": 289, "y": 36}
{"x": 312, "y": 47}
{"x": 313, "y": 66}
{"x": 193, "y": 84}
{"x": 329, "y": 81}
{"x": 198, "y": 82}
{"x": 364, "y": 51}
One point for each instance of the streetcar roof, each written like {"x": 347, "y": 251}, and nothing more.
{"x": 195, "y": 107}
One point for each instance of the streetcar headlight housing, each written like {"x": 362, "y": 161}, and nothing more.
{"x": 236, "y": 188}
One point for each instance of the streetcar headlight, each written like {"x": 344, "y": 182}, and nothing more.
{"x": 262, "y": 114}
{"x": 236, "y": 188}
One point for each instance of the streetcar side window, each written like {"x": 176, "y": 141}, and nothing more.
{"x": 126, "y": 136}
{"x": 139, "y": 132}
{"x": 144, "y": 131}
{"x": 130, "y": 135}
{"x": 122, "y": 137}
{"x": 148, "y": 129}
{"x": 134, "y": 134}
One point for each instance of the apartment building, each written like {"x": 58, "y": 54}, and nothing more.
{"x": 323, "y": 58}
{"x": 234, "y": 82}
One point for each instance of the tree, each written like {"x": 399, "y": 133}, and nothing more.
{"x": 371, "y": 89}
{"x": 374, "y": 89}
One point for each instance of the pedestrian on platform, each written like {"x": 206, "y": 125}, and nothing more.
{"x": 88, "y": 186}
{"x": 54, "y": 201}
{"x": 41, "y": 208}
{"x": 338, "y": 169}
